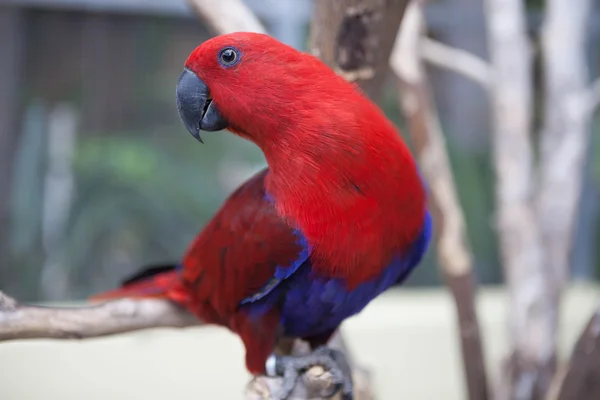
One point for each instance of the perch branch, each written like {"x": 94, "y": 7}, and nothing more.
{"x": 457, "y": 60}
{"x": 454, "y": 254}
{"x": 316, "y": 379}
{"x": 19, "y": 321}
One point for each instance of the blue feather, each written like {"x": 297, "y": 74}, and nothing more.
{"x": 312, "y": 305}
{"x": 282, "y": 272}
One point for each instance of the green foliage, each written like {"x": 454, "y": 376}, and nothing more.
{"x": 144, "y": 198}
{"x": 26, "y": 197}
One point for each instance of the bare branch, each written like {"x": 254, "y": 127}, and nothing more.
{"x": 457, "y": 60}
{"x": 567, "y": 129}
{"x": 454, "y": 254}
{"x": 227, "y": 16}
{"x": 19, "y": 321}
{"x": 532, "y": 308}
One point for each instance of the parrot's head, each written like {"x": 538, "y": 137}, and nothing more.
{"x": 256, "y": 87}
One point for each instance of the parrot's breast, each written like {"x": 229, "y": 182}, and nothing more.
{"x": 312, "y": 305}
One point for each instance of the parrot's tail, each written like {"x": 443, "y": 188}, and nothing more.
{"x": 160, "y": 281}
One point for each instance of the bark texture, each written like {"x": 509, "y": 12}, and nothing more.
{"x": 533, "y": 313}
{"x": 355, "y": 38}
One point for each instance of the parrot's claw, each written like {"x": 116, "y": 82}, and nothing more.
{"x": 333, "y": 361}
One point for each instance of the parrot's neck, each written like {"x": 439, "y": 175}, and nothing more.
{"x": 359, "y": 202}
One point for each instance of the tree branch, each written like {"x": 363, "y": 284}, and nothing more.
{"x": 355, "y": 38}
{"x": 227, "y": 16}
{"x": 19, "y": 321}
{"x": 457, "y": 60}
{"x": 454, "y": 254}
{"x": 567, "y": 130}
{"x": 582, "y": 378}
{"x": 533, "y": 313}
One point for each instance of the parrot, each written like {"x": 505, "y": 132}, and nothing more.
{"x": 338, "y": 215}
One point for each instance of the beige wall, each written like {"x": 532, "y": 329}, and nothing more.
{"x": 407, "y": 338}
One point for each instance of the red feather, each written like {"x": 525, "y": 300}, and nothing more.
{"x": 165, "y": 285}
{"x": 238, "y": 251}
{"x": 234, "y": 256}
{"x": 339, "y": 170}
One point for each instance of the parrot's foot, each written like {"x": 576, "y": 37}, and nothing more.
{"x": 291, "y": 367}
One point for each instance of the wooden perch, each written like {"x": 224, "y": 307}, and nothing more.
{"x": 316, "y": 379}
{"x": 454, "y": 254}
{"x": 19, "y": 321}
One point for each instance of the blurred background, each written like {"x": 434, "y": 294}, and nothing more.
{"x": 98, "y": 176}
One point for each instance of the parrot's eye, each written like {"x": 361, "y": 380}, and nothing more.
{"x": 229, "y": 56}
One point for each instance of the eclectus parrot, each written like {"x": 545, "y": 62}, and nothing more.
{"x": 338, "y": 216}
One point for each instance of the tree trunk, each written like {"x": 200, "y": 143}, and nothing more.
{"x": 355, "y": 38}
{"x": 532, "y": 308}
{"x": 567, "y": 130}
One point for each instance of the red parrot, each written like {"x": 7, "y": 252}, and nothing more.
{"x": 338, "y": 216}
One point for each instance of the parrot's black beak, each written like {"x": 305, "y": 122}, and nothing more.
{"x": 195, "y": 105}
